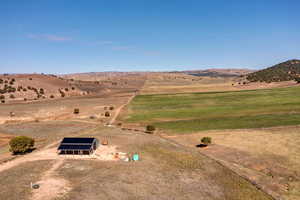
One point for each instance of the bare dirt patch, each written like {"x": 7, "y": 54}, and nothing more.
{"x": 51, "y": 186}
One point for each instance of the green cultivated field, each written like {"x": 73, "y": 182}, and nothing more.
{"x": 185, "y": 113}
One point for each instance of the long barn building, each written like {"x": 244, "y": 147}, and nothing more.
{"x": 78, "y": 146}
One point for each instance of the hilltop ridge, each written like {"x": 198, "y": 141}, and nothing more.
{"x": 285, "y": 71}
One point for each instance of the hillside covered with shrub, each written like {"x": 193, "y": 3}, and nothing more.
{"x": 286, "y": 71}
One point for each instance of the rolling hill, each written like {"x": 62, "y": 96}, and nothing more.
{"x": 286, "y": 71}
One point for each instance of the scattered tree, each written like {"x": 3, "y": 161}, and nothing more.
{"x": 107, "y": 114}
{"x": 76, "y": 111}
{"x": 150, "y": 128}
{"x": 21, "y": 144}
{"x": 206, "y": 140}
{"x": 42, "y": 91}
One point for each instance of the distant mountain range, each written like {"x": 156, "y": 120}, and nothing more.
{"x": 285, "y": 71}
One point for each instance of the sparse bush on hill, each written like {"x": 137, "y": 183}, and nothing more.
{"x": 21, "y": 144}
{"x": 297, "y": 79}
{"x": 42, "y": 91}
{"x": 2, "y": 97}
{"x": 73, "y": 88}
{"x": 107, "y": 114}
{"x": 111, "y": 108}
{"x": 76, "y": 111}
{"x": 51, "y": 96}
{"x": 2, "y": 101}
{"x": 12, "y": 96}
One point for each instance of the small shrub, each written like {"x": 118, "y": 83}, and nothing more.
{"x": 2, "y": 97}
{"x": 51, "y": 96}
{"x": 2, "y": 101}
{"x": 21, "y": 144}
{"x": 111, "y": 108}
{"x": 12, "y": 96}
{"x": 107, "y": 114}
{"x": 150, "y": 128}
{"x": 76, "y": 111}
{"x": 206, "y": 140}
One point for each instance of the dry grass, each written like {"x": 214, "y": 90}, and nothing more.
{"x": 166, "y": 171}
{"x": 15, "y": 182}
{"x": 169, "y": 83}
{"x": 271, "y": 156}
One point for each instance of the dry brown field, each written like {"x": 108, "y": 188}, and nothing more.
{"x": 269, "y": 157}
{"x": 165, "y": 171}
{"x": 168, "y": 83}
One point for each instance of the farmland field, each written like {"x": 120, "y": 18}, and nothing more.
{"x": 192, "y": 112}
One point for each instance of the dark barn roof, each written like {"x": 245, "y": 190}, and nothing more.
{"x": 78, "y": 140}
{"x": 76, "y": 143}
{"x": 74, "y": 147}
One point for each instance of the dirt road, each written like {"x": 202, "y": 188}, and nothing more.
{"x": 119, "y": 109}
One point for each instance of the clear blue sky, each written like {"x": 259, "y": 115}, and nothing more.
{"x": 64, "y": 36}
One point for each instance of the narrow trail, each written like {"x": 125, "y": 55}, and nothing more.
{"x": 51, "y": 186}
{"x": 119, "y": 109}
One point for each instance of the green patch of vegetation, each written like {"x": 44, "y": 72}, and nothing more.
{"x": 184, "y": 113}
